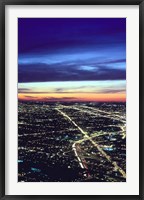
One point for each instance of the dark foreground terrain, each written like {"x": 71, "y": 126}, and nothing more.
{"x": 71, "y": 142}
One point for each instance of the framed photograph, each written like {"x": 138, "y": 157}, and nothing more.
{"x": 71, "y": 99}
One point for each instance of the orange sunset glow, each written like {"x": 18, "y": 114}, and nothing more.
{"x": 101, "y": 91}
{"x": 74, "y": 97}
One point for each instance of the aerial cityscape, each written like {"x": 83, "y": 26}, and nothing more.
{"x": 72, "y": 142}
{"x": 72, "y": 100}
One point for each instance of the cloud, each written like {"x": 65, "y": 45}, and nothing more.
{"x": 59, "y": 99}
{"x": 45, "y": 73}
{"x": 24, "y": 90}
{"x": 111, "y": 90}
{"x": 71, "y": 49}
{"x": 78, "y": 90}
{"x": 31, "y": 97}
{"x": 59, "y": 90}
{"x": 113, "y": 61}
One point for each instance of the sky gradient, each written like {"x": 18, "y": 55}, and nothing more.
{"x": 72, "y": 59}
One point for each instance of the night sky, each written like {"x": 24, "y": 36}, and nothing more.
{"x": 72, "y": 59}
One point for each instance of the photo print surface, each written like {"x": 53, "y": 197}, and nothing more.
{"x": 71, "y": 99}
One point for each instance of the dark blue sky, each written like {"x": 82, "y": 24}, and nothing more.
{"x": 75, "y": 49}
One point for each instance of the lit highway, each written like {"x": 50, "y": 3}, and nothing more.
{"x": 94, "y": 143}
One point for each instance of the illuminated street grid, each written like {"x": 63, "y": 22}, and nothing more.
{"x": 71, "y": 142}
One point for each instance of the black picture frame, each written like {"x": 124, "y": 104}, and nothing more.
{"x": 3, "y": 121}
